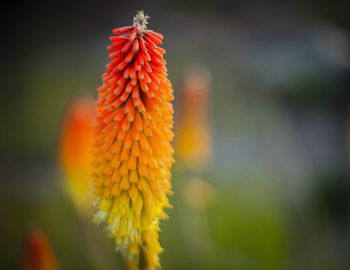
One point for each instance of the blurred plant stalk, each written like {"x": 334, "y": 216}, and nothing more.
{"x": 75, "y": 143}
{"x": 37, "y": 252}
{"x": 194, "y": 149}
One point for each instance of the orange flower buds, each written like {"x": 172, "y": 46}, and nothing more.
{"x": 132, "y": 152}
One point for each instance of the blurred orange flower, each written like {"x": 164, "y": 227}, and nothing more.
{"x": 75, "y": 149}
{"x": 193, "y": 142}
{"x": 37, "y": 252}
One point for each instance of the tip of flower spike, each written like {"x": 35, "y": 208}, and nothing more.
{"x": 141, "y": 20}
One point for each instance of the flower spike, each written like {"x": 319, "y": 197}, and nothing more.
{"x": 133, "y": 133}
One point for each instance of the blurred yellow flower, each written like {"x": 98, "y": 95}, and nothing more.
{"x": 37, "y": 252}
{"x": 75, "y": 149}
{"x": 198, "y": 193}
{"x": 193, "y": 142}
{"x": 133, "y": 154}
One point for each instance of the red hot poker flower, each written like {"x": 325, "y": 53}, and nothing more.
{"x": 133, "y": 131}
{"x": 38, "y": 253}
{"x": 74, "y": 150}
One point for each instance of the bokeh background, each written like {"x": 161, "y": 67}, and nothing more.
{"x": 271, "y": 187}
